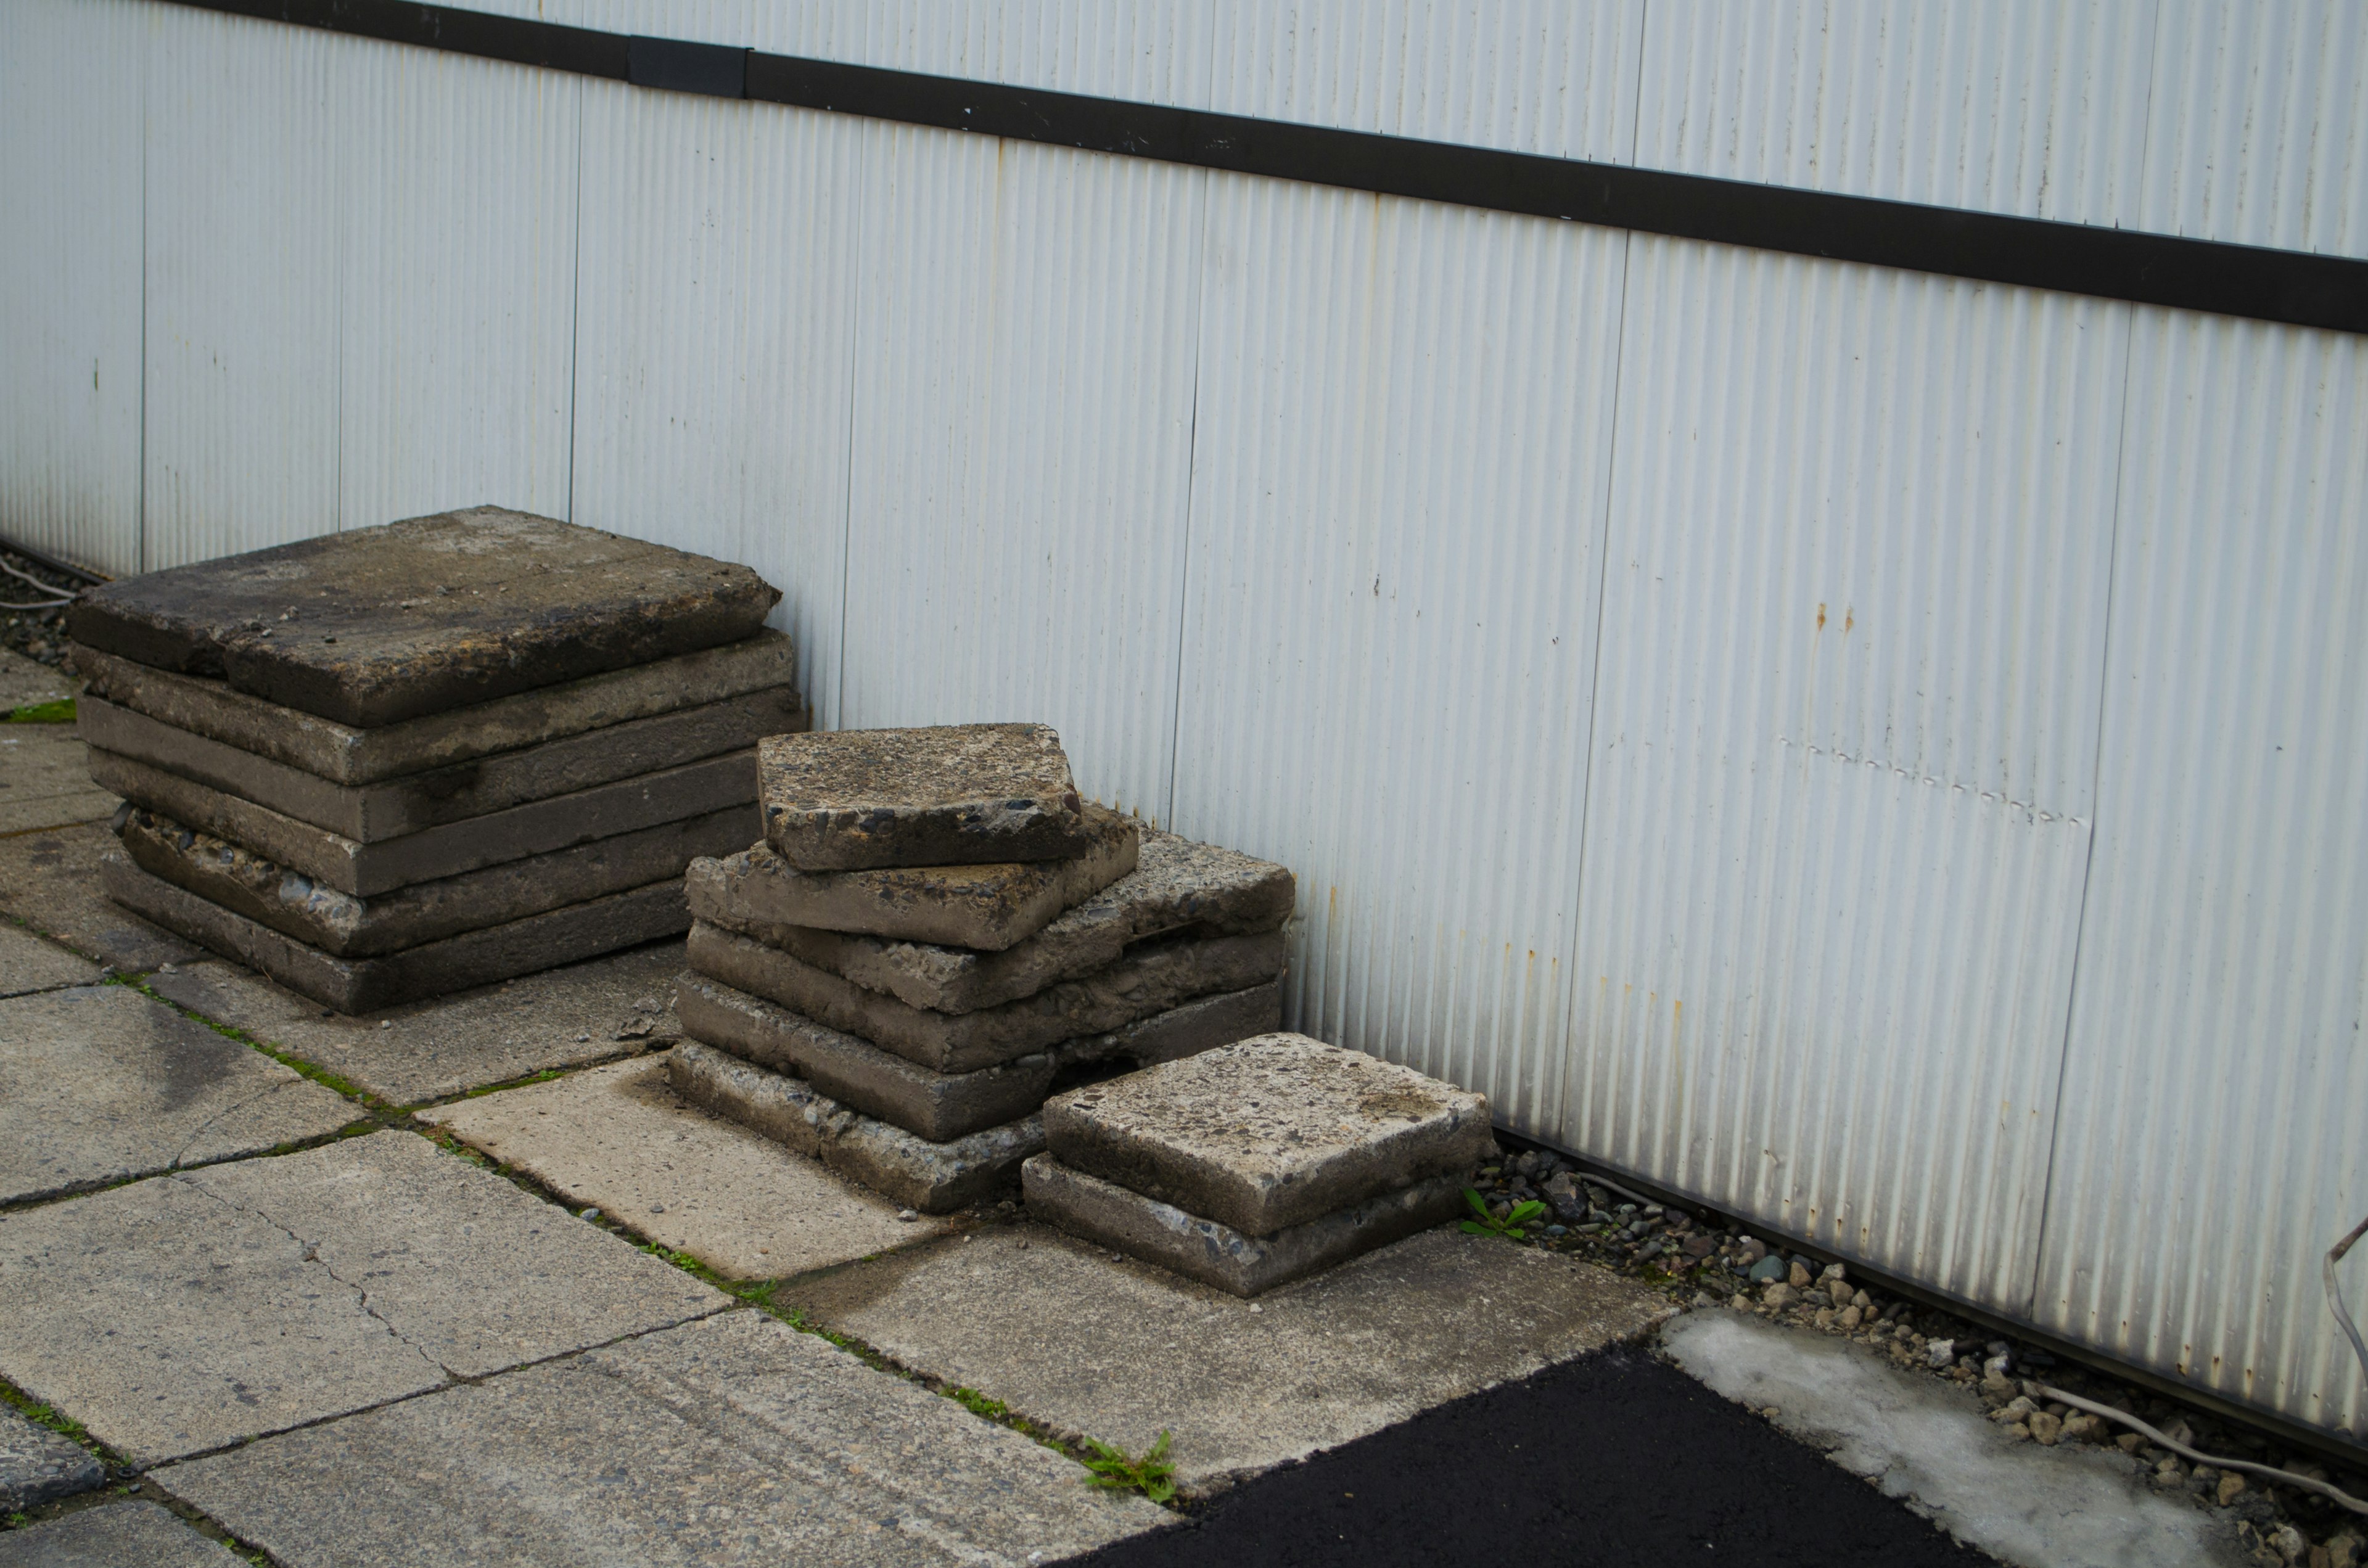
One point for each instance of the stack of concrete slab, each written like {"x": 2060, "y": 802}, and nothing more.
{"x": 1258, "y": 1163}
{"x": 388, "y": 763}
{"x": 934, "y": 935}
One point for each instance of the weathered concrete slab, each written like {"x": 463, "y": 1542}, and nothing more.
{"x": 694, "y": 789}
{"x": 394, "y": 808}
{"x": 180, "y": 1314}
{"x": 345, "y": 926}
{"x": 983, "y": 907}
{"x": 947, "y": 795}
{"x": 1218, "y": 1255}
{"x": 374, "y": 626}
{"x": 729, "y": 1442}
{"x": 98, "y": 1084}
{"x": 49, "y": 880}
{"x": 342, "y": 753}
{"x": 1148, "y": 979}
{"x": 618, "y": 1138}
{"x": 1270, "y": 1132}
{"x": 1119, "y": 1350}
{"x": 38, "y": 1465}
{"x": 27, "y": 963}
{"x": 29, "y": 683}
{"x": 433, "y": 969}
{"x": 122, "y": 1535}
{"x": 591, "y": 1012}
{"x": 933, "y": 1178}
{"x": 45, "y": 780}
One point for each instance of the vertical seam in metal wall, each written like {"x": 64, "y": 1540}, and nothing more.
{"x": 333, "y": 107}
{"x": 854, "y": 378}
{"x": 140, "y": 488}
{"x": 1191, "y": 458}
{"x": 576, "y": 312}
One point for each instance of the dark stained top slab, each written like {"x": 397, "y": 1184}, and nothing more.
{"x": 949, "y": 795}
{"x": 384, "y": 624}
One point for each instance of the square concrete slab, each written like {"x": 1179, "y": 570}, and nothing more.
{"x": 1066, "y": 1335}
{"x": 99, "y": 1083}
{"x": 29, "y": 683}
{"x": 181, "y": 1314}
{"x": 27, "y": 963}
{"x": 1273, "y": 1131}
{"x": 736, "y": 1441}
{"x": 618, "y": 1138}
{"x": 373, "y": 626}
{"x": 121, "y": 1535}
{"x": 949, "y": 795}
{"x": 49, "y": 880}
{"x": 45, "y": 780}
{"x": 38, "y": 1465}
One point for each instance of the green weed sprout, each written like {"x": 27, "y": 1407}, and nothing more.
{"x": 1154, "y": 1474}
{"x": 1512, "y": 1227}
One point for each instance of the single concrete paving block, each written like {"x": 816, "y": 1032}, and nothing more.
{"x": 49, "y": 880}
{"x": 45, "y": 780}
{"x": 985, "y": 907}
{"x": 98, "y": 1084}
{"x": 947, "y": 795}
{"x": 618, "y": 1138}
{"x": 373, "y": 626}
{"x": 39, "y": 1466}
{"x": 27, "y": 963}
{"x": 29, "y": 683}
{"x": 1120, "y": 1351}
{"x": 729, "y": 1442}
{"x": 121, "y": 1535}
{"x": 1929, "y": 1445}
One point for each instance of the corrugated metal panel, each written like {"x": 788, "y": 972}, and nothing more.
{"x": 702, "y": 21}
{"x": 1397, "y": 497}
{"x": 1840, "y": 804}
{"x": 1150, "y": 50}
{"x": 2209, "y": 1146}
{"x": 458, "y": 315}
{"x": 243, "y": 225}
{"x": 70, "y": 257}
{"x": 2258, "y": 134}
{"x": 715, "y": 320}
{"x": 1023, "y": 439}
{"x": 2029, "y": 106}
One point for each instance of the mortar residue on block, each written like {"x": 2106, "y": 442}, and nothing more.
{"x": 345, "y": 754}
{"x": 1147, "y": 980}
{"x": 539, "y": 827}
{"x": 985, "y": 907}
{"x": 434, "y": 969}
{"x": 950, "y": 795}
{"x": 1217, "y": 1254}
{"x": 1270, "y": 1132}
{"x": 932, "y": 1177}
{"x": 345, "y": 926}
{"x": 377, "y": 625}
{"x": 372, "y": 813}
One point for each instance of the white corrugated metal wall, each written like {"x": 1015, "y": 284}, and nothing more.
{"x": 1878, "y": 752}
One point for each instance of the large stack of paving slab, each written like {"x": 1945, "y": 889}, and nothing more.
{"x": 1259, "y": 1163}
{"x": 384, "y": 764}
{"x": 934, "y": 935}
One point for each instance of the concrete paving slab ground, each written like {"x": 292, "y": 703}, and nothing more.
{"x": 1119, "y": 1351}
{"x": 49, "y": 880}
{"x": 734, "y": 1440}
{"x": 45, "y": 780}
{"x": 29, "y": 683}
{"x": 179, "y": 1315}
{"x": 618, "y": 1138}
{"x": 122, "y": 1535}
{"x": 38, "y": 1465}
{"x": 98, "y": 1084}
{"x": 28, "y": 964}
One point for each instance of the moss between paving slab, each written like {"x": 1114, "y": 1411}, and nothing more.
{"x": 58, "y": 713}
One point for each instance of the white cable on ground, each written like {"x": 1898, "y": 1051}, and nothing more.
{"x": 45, "y": 604}
{"x": 2285, "y": 1476}
{"x": 28, "y": 577}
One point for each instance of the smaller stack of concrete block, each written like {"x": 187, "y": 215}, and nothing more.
{"x": 934, "y": 935}
{"x": 401, "y": 761}
{"x": 1258, "y": 1163}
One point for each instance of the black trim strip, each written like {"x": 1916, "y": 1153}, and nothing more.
{"x": 2293, "y": 286}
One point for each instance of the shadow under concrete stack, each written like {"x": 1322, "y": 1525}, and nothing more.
{"x": 384, "y": 764}
{"x": 936, "y": 935}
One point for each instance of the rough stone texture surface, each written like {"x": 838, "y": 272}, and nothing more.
{"x": 935, "y": 1178}
{"x": 1927, "y": 1444}
{"x": 181, "y": 1314}
{"x": 539, "y": 827}
{"x": 345, "y": 926}
{"x": 1177, "y": 888}
{"x": 1148, "y": 979}
{"x": 27, "y": 963}
{"x": 735, "y": 1441}
{"x": 983, "y": 907}
{"x": 374, "y": 626}
{"x": 1219, "y": 1255}
{"x": 1086, "y": 1343}
{"x": 344, "y": 755}
{"x": 45, "y": 780}
{"x": 950, "y": 795}
{"x": 37, "y": 1464}
{"x": 1273, "y": 1131}
{"x": 434, "y": 969}
{"x": 99, "y": 1083}
{"x": 29, "y": 683}
{"x": 394, "y": 808}
{"x": 611, "y": 1006}
{"x": 618, "y": 1138}
{"x": 121, "y": 1535}
{"x": 49, "y": 880}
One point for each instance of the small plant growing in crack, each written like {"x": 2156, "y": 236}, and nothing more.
{"x": 1513, "y": 1225}
{"x": 1154, "y": 1474}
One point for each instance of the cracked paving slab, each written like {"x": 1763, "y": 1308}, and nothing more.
{"x": 121, "y": 1535}
{"x": 181, "y": 1314}
{"x": 28, "y": 964}
{"x": 45, "y": 780}
{"x": 730, "y": 1441}
{"x": 49, "y": 880}
{"x": 99, "y": 1084}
